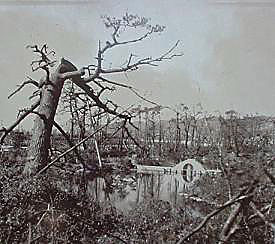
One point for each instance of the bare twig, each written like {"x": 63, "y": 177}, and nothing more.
{"x": 44, "y": 62}
{"x": 130, "y": 136}
{"x": 132, "y": 89}
{"x": 35, "y": 94}
{"x": 18, "y": 121}
{"x": 116, "y": 43}
{"x": 114, "y": 83}
{"x": 29, "y": 81}
{"x": 142, "y": 97}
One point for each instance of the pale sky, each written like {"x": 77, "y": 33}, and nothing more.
{"x": 228, "y": 46}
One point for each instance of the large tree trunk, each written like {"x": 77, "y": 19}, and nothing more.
{"x": 38, "y": 154}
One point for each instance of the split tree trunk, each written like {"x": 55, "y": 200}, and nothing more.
{"x": 38, "y": 154}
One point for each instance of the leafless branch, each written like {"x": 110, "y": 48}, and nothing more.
{"x": 111, "y": 89}
{"x": 131, "y": 137}
{"x": 142, "y": 97}
{"x": 132, "y": 89}
{"x": 35, "y": 94}
{"x": 144, "y": 61}
{"x": 44, "y": 62}
{"x": 116, "y": 43}
{"x": 18, "y": 121}
{"x": 229, "y": 235}
{"x": 29, "y": 81}
{"x": 263, "y": 210}
{"x": 213, "y": 213}
{"x": 131, "y": 67}
{"x": 115, "y": 106}
{"x": 114, "y": 83}
{"x": 128, "y": 21}
{"x": 97, "y": 100}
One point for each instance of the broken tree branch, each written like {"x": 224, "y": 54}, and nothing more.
{"x": 213, "y": 213}
{"x": 18, "y": 121}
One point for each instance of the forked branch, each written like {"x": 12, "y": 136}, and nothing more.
{"x": 44, "y": 62}
{"x": 127, "y": 22}
{"x": 144, "y": 61}
{"x": 89, "y": 91}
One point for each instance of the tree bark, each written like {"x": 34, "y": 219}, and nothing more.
{"x": 38, "y": 154}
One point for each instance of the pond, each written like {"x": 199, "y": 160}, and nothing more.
{"x": 125, "y": 190}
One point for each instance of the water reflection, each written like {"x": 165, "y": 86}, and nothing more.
{"x": 126, "y": 191}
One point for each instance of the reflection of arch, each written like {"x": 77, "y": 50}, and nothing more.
{"x": 187, "y": 172}
{"x": 190, "y": 170}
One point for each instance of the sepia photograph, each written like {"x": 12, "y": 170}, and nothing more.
{"x": 137, "y": 121}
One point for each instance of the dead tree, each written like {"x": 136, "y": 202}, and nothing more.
{"x": 51, "y": 89}
{"x": 93, "y": 80}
